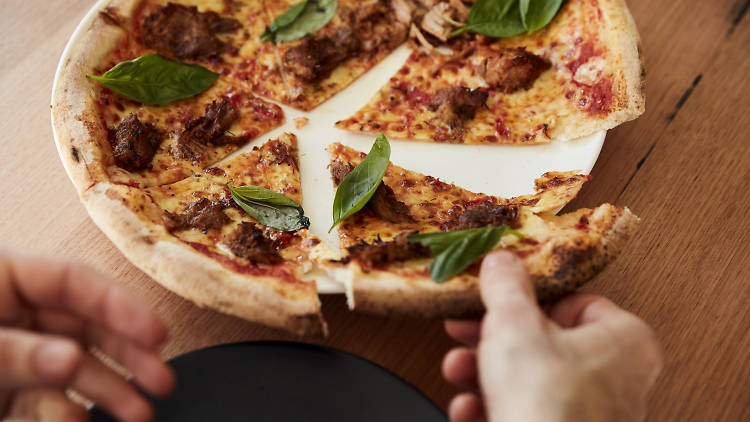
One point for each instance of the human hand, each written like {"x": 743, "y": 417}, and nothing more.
{"x": 51, "y": 314}
{"x": 584, "y": 359}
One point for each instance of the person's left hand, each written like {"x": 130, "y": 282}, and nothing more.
{"x": 51, "y": 314}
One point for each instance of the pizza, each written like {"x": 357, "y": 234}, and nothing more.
{"x": 171, "y": 120}
{"x": 389, "y": 275}
{"x": 581, "y": 74}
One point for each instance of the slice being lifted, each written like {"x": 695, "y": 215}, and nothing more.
{"x": 212, "y": 252}
{"x": 579, "y": 75}
{"x": 390, "y": 275}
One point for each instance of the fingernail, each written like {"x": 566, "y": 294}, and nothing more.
{"x": 56, "y": 360}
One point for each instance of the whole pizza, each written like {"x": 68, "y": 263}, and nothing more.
{"x": 162, "y": 112}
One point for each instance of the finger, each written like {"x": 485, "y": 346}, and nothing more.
{"x": 147, "y": 368}
{"x": 149, "y": 371}
{"x": 465, "y": 331}
{"x": 85, "y": 292}
{"x": 29, "y": 359}
{"x": 111, "y": 392}
{"x": 569, "y": 311}
{"x": 460, "y": 368}
{"x": 466, "y": 407}
{"x": 62, "y": 323}
{"x": 508, "y": 296}
{"x": 12, "y": 311}
{"x": 46, "y": 405}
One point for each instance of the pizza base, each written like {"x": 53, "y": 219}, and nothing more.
{"x": 562, "y": 267}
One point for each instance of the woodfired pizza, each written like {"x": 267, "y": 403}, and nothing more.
{"x": 156, "y": 97}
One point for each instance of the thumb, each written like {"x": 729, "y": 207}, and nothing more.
{"x": 508, "y": 295}
{"x": 29, "y": 359}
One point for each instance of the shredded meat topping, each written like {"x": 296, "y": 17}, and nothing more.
{"x": 369, "y": 26}
{"x": 339, "y": 171}
{"x": 484, "y": 215}
{"x": 383, "y": 203}
{"x": 247, "y": 241}
{"x": 386, "y": 207}
{"x": 134, "y": 143}
{"x": 512, "y": 69}
{"x": 183, "y": 32}
{"x": 456, "y": 105}
{"x": 316, "y": 56}
{"x": 209, "y": 128}
{"x": 202, "y": 214}
{"x": 379, "y": 253}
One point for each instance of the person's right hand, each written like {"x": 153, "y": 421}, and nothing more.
{"x": 585, "y": 359}
{"x": 52, "y": 314}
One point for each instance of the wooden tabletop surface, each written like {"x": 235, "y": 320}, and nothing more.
{"x": 683, "y": 167}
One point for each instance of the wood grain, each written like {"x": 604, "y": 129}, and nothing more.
{"x": 683, "y": 167}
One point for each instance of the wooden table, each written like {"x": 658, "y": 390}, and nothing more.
{"x": 683, "y": 167}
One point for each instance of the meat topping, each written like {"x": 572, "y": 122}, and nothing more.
{"x": 281, "y": 153}
{"x": 379, "y": 253}
{"x": 484, "y": 215}
{"x": 203, "y": 214}
{"x": 383, "y": 203}
{"x": 182, "y": 32}
{"x": 369, "y": 26}
{"x": 315, "y": 57}
{"x": 386, "y": 207}
{"x": 134, "y": 143}
{"x": 512, "y": 69}
{"x": 206, "y": 129}
{"x": 339, "y": 170}
{"x": 247, "y": 241}
{"x": 456, "y": 105}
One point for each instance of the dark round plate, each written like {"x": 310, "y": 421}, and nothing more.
{"x": 283, "y": 381}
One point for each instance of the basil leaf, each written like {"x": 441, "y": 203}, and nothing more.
{"x": 284, "y": 20}
{"x": 536, "y": 14}
{"x": 358, "y": 186}
{"x": 438, "y": 242}
{"x": 270, "y": 208}
{"x": 153, "y": 79}
{"x": 314, "y": 15}
{"x": 486, "y": 13}
{"x": 454, "y": 252}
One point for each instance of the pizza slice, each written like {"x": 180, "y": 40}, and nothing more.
{"x": 153, "y": 145}
{"x": 360, "y": 34}
{"x": 220, "y": 35}
{"x": 581, "y": 74}
{"x": 249, "y": 256}
{"x": 388, "y": 273}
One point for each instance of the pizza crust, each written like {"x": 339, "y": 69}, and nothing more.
{"x": 78, "y": 131}
{"x": 202, "y": 280}
{"x": 559, "y": 269}
{"x": 630, "y": 92}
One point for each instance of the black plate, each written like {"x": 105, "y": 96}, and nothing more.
{"x": 282, "y": 381}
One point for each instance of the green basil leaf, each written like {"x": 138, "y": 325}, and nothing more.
{"x": 315, "y": 15}
{"x": 270, "y": 208}
{"x": 509, "y": 26}
{"x": 153, "y": 79}
{"x": 536, "y": 14}
{"x": 454, "y": 252}
{"x": 284, "y": 20}
{"x": 358, "y": 186}
{"x": 438, "y": 242}
{"x": 484, "y": 13}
